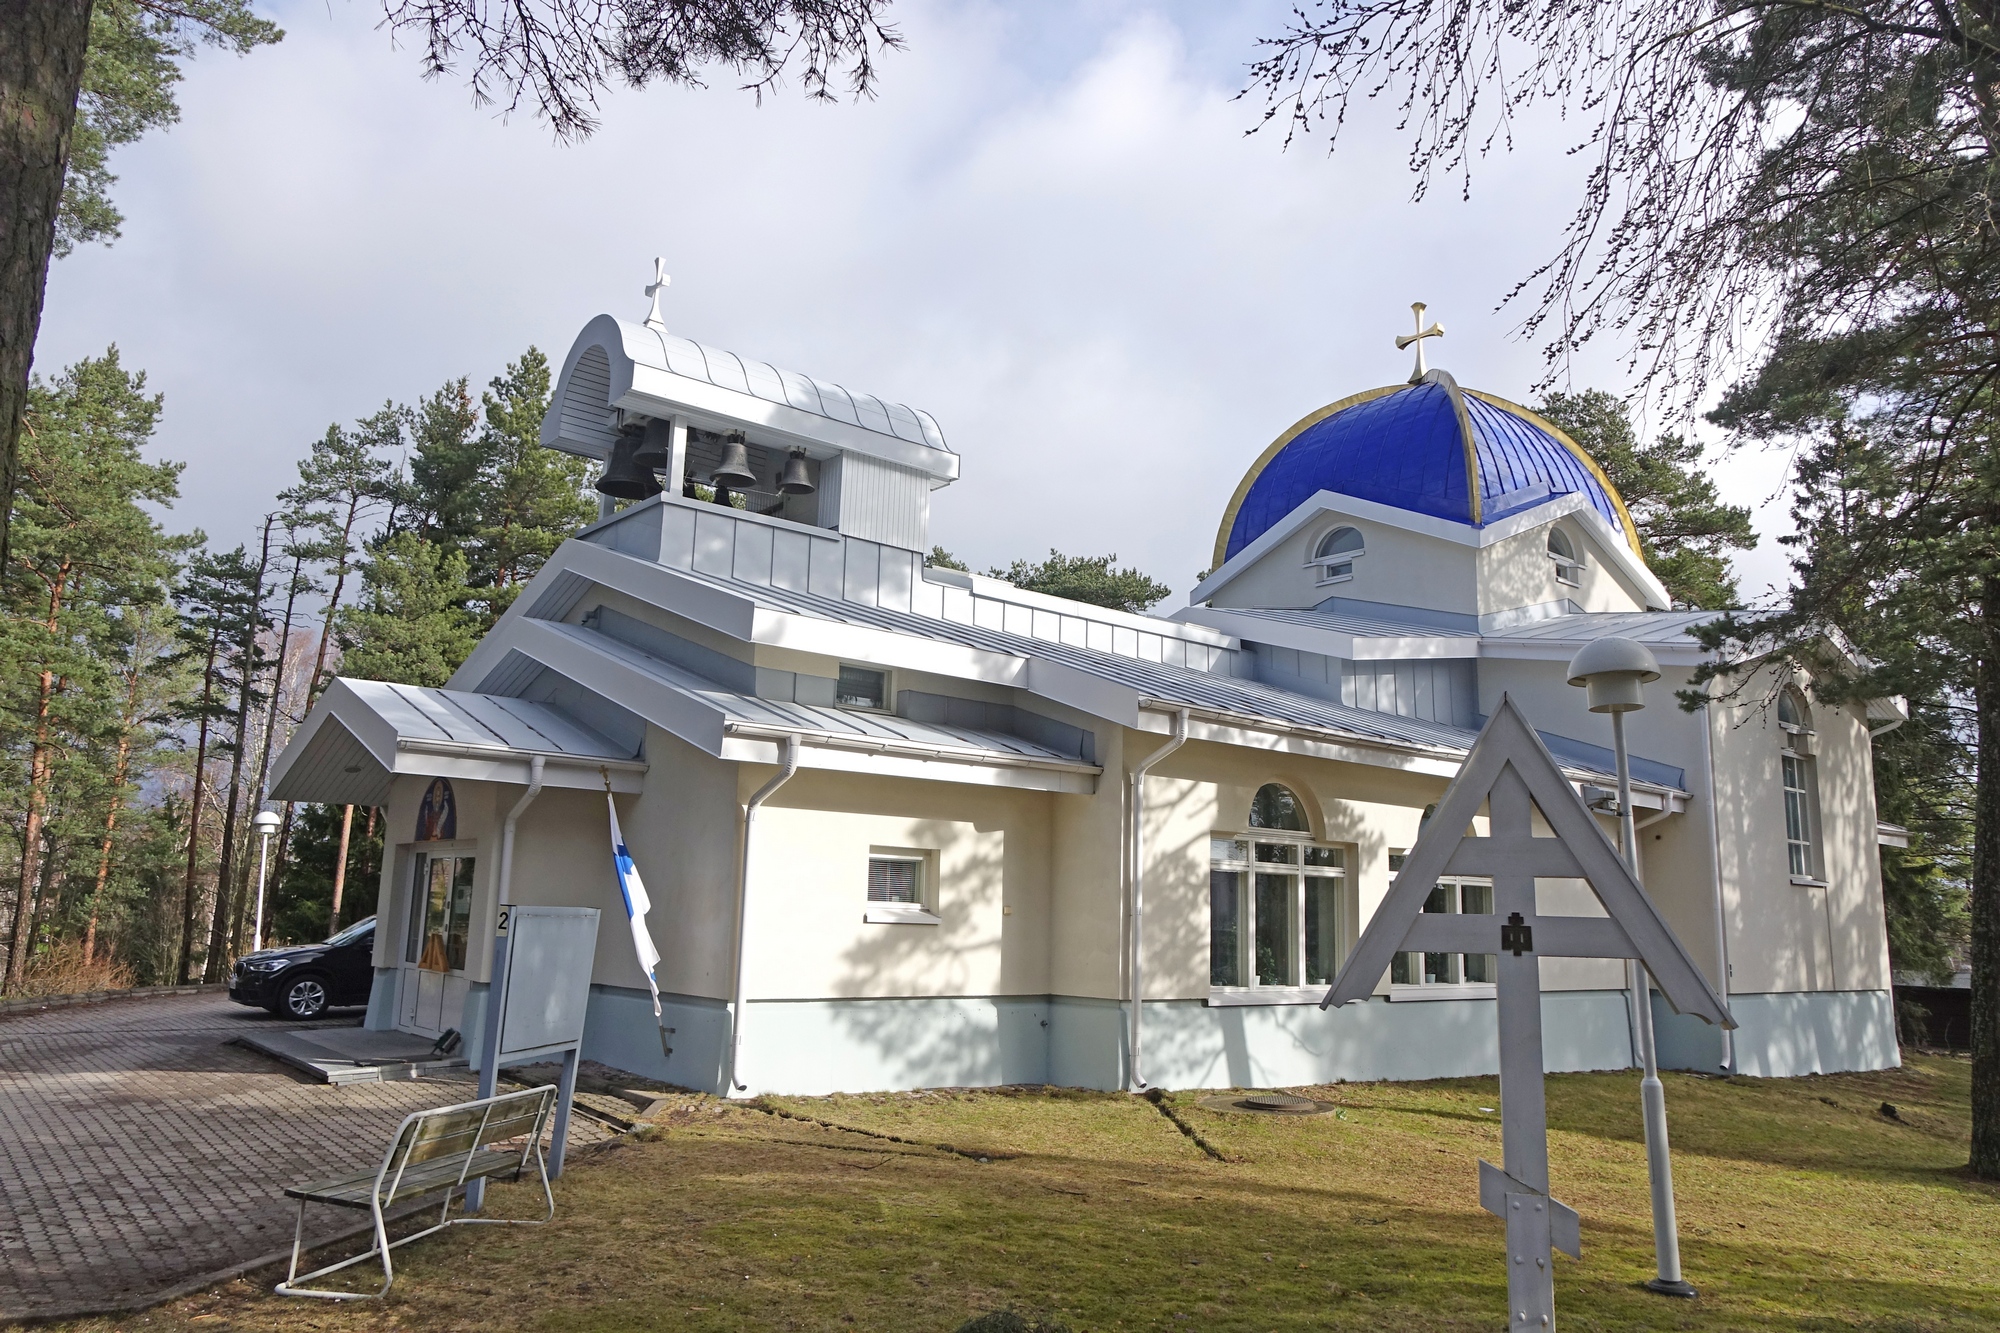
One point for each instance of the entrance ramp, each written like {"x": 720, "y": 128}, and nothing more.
{"x": 354, "y": 1055}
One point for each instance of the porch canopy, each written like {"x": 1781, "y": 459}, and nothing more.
{"x": 361, "y": 733}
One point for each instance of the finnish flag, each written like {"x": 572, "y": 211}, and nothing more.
{"x": 637, "y": 904}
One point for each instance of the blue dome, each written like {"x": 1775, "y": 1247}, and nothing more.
{"x": 1417, "y": 448}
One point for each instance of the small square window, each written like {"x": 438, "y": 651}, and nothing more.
{"x": 862, "y": 687}
{"x": 896, "y": 879}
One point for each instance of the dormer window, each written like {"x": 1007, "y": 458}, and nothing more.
{"x": 862, "y": 687}
{"x": 1562, "y": 551}
{"x": 1336, "y": 553}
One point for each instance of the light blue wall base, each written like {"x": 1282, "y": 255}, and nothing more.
{"x": 1189, "y": 1045}
{"x": 1786, "y": 1035}
{"x": 817, "y": 1047}
{"x": 824, "y": 1046}
{"x": 382, "y": 1000}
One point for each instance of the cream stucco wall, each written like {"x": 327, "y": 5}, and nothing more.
{"x": 1400, "y": 568}
{"x": 1206, "y": 789}
{"x": 1516, "y": 571}
{"x": 1676, "y": 854}
{"x": 988, "y": 851}
{"x": 1087, "y": 867}
{"x": 1786, "y": 936}
{"x": 478, "y": 836}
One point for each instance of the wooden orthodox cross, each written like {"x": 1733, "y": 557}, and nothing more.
{"x": 1511, "y": 773}
{"x": 1405, "y": 339}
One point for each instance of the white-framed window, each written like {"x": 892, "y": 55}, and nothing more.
{"x": 1281, "y": 920}
{"x": 1799, "y": 777}
{"x": 902, "y": 887}
{"x": 1336, "y": 553}
{"x": 1453, "y": 893}
{"x": 1562, "y": 552}
{"x": 862, "y": 687}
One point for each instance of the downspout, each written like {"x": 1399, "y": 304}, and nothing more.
{"x": 496, "y": 986}
{"x": 1138, "y": 845}
{"x": 489, "y": 1039}
{"x": 1715, "y": 851}
{"x": 788, "y": 764}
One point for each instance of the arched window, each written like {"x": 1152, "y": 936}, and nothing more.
{"x": 1281, "y": 912}
{"x": 1276, "y": 807}
{"x": 1336, "y": 553}
{"x": 1563, "y": 552}
{"x": 1793, "y": 715}
{"x": 1800, "y": 779}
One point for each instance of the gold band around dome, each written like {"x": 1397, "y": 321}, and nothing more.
{"x": 1631, "y": 533}
{"x": 1355, "y": 400}
{"x": 1257, "y": 468}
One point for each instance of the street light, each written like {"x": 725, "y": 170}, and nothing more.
{"x": 1614, "y": 672}
{"x": 265, "y": 822}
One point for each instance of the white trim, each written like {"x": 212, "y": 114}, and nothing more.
{"x": 1237, "y": 997}
{"x": 884, "y": 914}
{"x": 1253, "y": 628}
{"x": 1463, "y": 990}
{"x": 1616, "y": 549}
{"x": 639, "y": 381}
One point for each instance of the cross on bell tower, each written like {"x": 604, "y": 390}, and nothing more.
{"x": 661, "y": 280}
{"x": 1405, "y": 339}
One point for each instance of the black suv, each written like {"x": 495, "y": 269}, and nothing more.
{"x": 305, "y": 980}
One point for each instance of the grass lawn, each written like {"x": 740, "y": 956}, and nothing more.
{"x": 1801, "y": 1205}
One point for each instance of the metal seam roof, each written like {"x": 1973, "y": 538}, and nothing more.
{"x": 1408, "y": 448}
{"x": 1251, "y": 700}
{"x": 453, "y": 717}
{"x": 758, "y": 379}
{"x": 835, "y": 722}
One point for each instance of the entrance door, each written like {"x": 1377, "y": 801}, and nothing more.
{"x": 436, "y": 946}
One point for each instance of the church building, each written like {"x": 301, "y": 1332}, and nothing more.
{"x": 905, "y": 827}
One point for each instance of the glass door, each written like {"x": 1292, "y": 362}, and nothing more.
{"x": 436, "y": 942}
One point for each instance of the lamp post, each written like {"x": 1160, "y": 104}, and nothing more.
{"x": 1613, "y": 672}
{"x": 265, "y": 822}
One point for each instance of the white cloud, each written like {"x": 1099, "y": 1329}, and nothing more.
{"x": 1049, "y": 230}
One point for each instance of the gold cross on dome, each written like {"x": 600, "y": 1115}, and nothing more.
{"x": 661, "y": 280}
{"x": 1405, "y": 339}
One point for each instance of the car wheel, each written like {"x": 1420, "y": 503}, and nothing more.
{"x": 304, "y": 997}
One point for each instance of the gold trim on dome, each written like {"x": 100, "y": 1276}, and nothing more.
{"x": 1582, "y": 456}
{"x": 1257, "y": 468}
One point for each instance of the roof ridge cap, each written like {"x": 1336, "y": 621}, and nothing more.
{"x": 1443, "y": 379}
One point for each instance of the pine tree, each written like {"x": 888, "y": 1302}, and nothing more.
{"x": 221, "y": 611}
{"x": 531, "y": 498}
{"x": 1085, "y": 578}
{"x": 84, "y": 552}
{"x": 1685, "y": 530}
{"x": 412, "y": 625}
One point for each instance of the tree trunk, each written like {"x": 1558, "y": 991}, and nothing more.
{"x": 333, "y": 599}
{"x": 188, "y": 914}
{"x": 119, "y": 772}
{"x": 340, "y": 868}
{"x": 1985, "y": 906}
{"x": 39, "y": 764}
{"x": 217, "y": 964}
{"x": 42, "y": 46}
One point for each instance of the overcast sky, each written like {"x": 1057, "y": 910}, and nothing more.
{"x": 1049, "y": 230}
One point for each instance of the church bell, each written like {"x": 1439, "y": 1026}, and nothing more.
{"x": 656, "y": 450}
{"x": 623, "y": 478}
{"x": 734, "y": 470}
{"x": 796, "y": 481}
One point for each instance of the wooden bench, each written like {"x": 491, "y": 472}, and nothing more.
{"x": 436, "y": 1150}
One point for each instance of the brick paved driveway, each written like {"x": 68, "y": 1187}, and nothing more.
{"x": 139, "y": 1152}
